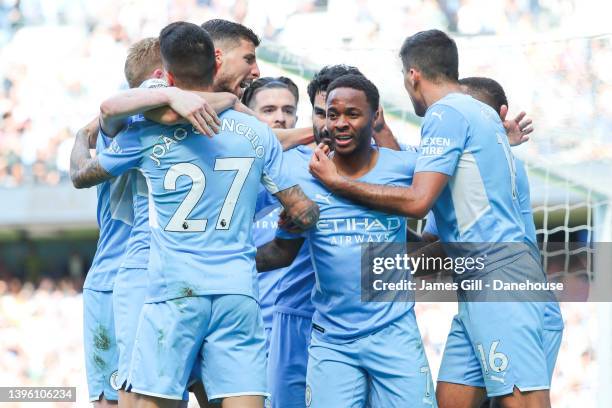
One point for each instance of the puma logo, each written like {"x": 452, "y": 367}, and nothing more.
{"x": 438, "y": 114}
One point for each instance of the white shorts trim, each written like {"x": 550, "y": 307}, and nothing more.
{"x": 152, "y": 394}
{"x": 240, "y": 394}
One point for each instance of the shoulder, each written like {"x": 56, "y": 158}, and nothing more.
{"x": 403, "y": 158}
{"x": 453, "y": 106}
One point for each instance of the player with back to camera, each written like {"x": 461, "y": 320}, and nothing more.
{"x": 182, "y": 166}
{"x": 458, "y": 175}
{"x": 143, "y": 65}
{"x": 360, "y": 352}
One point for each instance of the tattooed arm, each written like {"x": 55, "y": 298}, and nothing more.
{"x": 86, "y": 171}
{"x": 277, "y": 253}
{"x": 299, "y": 210}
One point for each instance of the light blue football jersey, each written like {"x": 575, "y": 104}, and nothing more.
{"x": 524, "y": 196}
{"x": 115, "y": 214}
{"x": 464, "y": 139}
{"x": 137, "y": 251}
{"x": 336, "y": 250}
{"x": 203, "y": 193}
{"x": 264, "y": 230}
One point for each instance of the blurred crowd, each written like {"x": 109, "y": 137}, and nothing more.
{"x": 59, "y": 59}
{"x": 42, "y": 327}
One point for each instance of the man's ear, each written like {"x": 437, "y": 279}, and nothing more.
{"x": 415, "y": 77}
{"x": 158, "y": 73}
{"x": 218, "y": 58}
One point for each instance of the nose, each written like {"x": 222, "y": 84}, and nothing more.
{"x": 255, "y": 71}
{"x": 279, "y": 117}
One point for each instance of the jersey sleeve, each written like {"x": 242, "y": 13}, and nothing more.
{"x": 430, "y": 225}
{"x": 275, "y": 176}
{"x": 124, "y": 153}
{"x": 443, "y": 138}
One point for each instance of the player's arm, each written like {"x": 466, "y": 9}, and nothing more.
{"x": 290, "y": 138}
{"x": 277, "y": 253}
{"x": 414, "y": 201}
{"x": 300, "y": 212}
{"x": 443, "y": 139}
{"x": 200, "y": 112}
{"x": 86, "y": 171}
{"x": 383, "y": 136}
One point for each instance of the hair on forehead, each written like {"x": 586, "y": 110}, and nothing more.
{"x": 270, "y": 83}
{"x": 326, "y": 76}
{"x": 228, "y": 32}
{"x": 360, "y": 83}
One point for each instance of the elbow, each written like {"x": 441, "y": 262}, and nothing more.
{"x": 77, "y": 182}
{"x": 415, "y": 210}
{"x": 106, "y": 110}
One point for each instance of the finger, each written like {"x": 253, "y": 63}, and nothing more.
{"x": 209, "y": 120}
{"x": 525, "y": 123}
{"x": 524, "y": 139}
{"x": 527, "y": 130}
{"x": 503, "y": 111}
{"x": 520, "y": 117}
{"x": 203, "y": 123}
{"x": 212, "y": 113}
{"x": 196, "y": 124}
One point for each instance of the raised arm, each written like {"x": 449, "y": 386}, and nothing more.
{"x": 277, "y": 253}
{"x": 86, "y": 171}
{"x": 382, "y": 133}
{"x": 300, "y": 210}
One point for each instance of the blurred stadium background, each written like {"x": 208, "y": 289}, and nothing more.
{"x": 60, "y": 58}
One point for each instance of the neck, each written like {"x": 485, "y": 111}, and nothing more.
{"x": 193, "y": 87}
{"x": 358, "y": 163}
{"x": 434, "y": 91}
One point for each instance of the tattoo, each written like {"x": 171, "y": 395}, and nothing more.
{"x": 84, "y": 170}
{"x": 277, "y": 253}
{"x": 301, "y": 210}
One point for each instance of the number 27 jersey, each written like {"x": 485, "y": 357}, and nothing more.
{"x": 203, "y": 193}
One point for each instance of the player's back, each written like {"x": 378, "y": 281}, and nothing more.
{"x": 203, "y": 193}
{"x": 465, "y": 139}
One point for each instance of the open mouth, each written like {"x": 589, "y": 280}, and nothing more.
{"x": 343, "y": 139}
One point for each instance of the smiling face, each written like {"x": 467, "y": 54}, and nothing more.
{"x": 350, "y": 120}
{"x": 237, "y": 67}
{"x": 276, "y": 106}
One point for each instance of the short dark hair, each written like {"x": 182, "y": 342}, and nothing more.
{"x": 433, "y": 53}
{"x": 269, "y": 83}
{"x": 326, "y": 76}
{"x": 489, "y": 88}
{"x": 224, "y": 30}
{"x": 188, "y": 53}
{"x": 360, "y": 83}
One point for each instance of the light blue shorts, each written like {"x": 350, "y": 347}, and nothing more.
{"x": 101, "y": 357}
{"x": 221, "y": 335}
{"x": 385, "y": 369}
{"x": 129, "y": 295}
{"x": 288, "y": 359}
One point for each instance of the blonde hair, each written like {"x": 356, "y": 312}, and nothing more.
{"x": 143, "y": 58}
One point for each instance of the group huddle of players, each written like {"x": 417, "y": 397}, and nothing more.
{"x": 229, "y": 257}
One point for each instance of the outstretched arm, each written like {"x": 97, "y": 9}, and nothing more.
{"x": 277, "y": 253}
{"x": 414, "y": 201}
{"x": 86, "y": 171}
{"x": 299, "y": 210}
